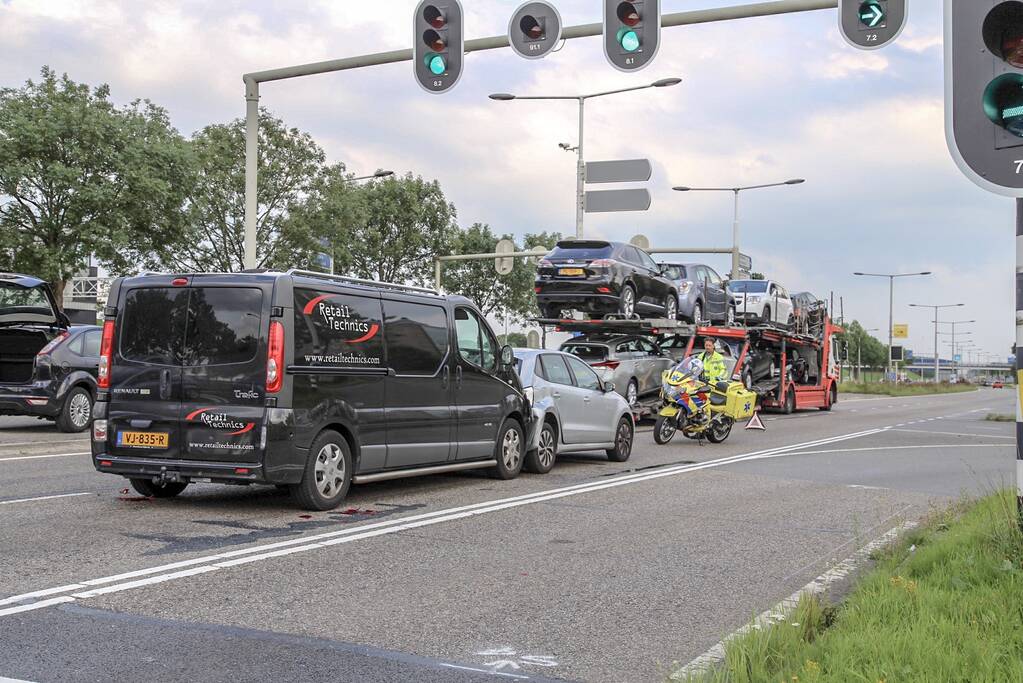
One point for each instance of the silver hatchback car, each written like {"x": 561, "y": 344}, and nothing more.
{"x": 573, "y": 410}
{"x": 633, "y": 363}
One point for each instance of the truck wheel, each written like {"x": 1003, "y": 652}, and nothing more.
{"x": 831, "y": 399}
{"x": 508, "y": 451}
{"x": 328, "y": 473}
{"x": 790, "y": 402}
{"x": 150, "y": 489}
{"x": 541, "y": 460}
{"x": 623, "y": 441}
{"x": 76, "y": 413}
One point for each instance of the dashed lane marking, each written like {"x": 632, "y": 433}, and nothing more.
{"x": 37, "y": 457}
{"x": 30, "y": 500}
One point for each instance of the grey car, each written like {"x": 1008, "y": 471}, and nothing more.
{"x": 702, "y": 294}
{"x": 633, "y": 363}
{"x": 573, "y": 410}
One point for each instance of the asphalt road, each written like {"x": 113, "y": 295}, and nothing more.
{"x": 598, "y": 571}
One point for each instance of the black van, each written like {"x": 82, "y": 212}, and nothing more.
{"x": 299, "y": 379}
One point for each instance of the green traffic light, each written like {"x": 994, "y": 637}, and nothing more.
{"x": 435, "y": 63}
{"x": 1003, "y": 102}
{"x": 871, "y": 13}
{"x": 628, "y": 39}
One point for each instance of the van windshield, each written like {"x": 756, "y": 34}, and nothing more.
{"x": 194, "y": 326}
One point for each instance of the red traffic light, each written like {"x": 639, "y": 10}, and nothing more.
{"x": 1003, "y": 32}
{"x": 531, "y": 27}
{"x": 435, "y": 41}
{"x": 628, "y": 14}
{"x": 434, "y": 17}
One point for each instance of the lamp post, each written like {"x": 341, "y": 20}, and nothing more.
{"x": 953, "y": 334}
{"x": 891, "y": 302}
{"x": 734, "y": 275}
{"x": 859, "y": 356}
{"x": 580, "y": 181}
{"x": 937, "y": 369}
{"x": 373, "y": 176}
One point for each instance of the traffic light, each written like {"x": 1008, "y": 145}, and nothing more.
{"x": 534, "y": 29}
{"x": 870, "y": 24}
{"x": 632, "y": 32}
{"x": 984, "y": 91}
{"x": 439, "y": 44}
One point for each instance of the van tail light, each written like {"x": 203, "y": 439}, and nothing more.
{"x": 609, "y": 364}
{"x": 106, "y": 352}
{"x": 603, "y": 263}
{"x": 275, "y": 358}
{"x": 53, "y": 343}
{"x": 99, "y": 430}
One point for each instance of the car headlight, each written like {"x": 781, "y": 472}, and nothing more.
{"x": 752, "y": 297}
{"x": 684, "y": 287}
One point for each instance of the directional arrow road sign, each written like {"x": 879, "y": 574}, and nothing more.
{"x": 620, "y": 171}
{"x": 871, "y": 14}
{"x": 617, "y": 200}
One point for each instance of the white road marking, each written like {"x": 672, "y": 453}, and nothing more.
{"x": 30, "y": 500}
{"x": 36, "y": 457}
{"x": 784, "y": 609}
{"x": 979, "y": 436}
{"x": 260, "y": 552}
{"x": 483, "y": 671}
{"x": 4, "y": 444}
{"x": 869, "y": 488}
{"x": 12, "y": 680}
{"x": 894, "y": 448}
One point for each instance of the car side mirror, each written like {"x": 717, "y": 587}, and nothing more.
{"x": 609, "y": 387}
{"x": 507, "y": 356}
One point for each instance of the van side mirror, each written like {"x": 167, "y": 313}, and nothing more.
{"x": 507, "y": 356}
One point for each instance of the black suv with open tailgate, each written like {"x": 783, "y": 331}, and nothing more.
{"x": 299, "y": 379}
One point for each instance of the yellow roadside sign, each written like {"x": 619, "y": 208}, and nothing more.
{"x": 900, "y": 331}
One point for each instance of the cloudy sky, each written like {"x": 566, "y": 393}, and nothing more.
{"x": 762, "y": 100}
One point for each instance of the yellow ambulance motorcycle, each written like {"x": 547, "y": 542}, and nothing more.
{"x": 699, "y": 410}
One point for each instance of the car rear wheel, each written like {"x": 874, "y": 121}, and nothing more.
{"x": 632, "y": 392}
{"x": 328, "y": 473}
{"x": 766, "y": 317}
{"x": 541, "y": 460}
{"x": 747, "y": 379}
{"x": 508, "y": 451}
{"x": 730, "y": 316}
{"x": 627, "y": 301}
{"x": 150, "y": 489}
{"x": 671, "y": 307}
{"x": 76, "y": 413}
{"x": 697, "y": 313}
{"x": 623, "y": 441}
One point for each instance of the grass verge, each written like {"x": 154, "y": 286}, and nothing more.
{"x": 884, "y": 389}
{"x": 944, "y": 604}
{"x": 1000, "y": 417}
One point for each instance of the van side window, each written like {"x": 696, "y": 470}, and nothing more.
{"x": 153, "y": 324}
{"x": 337, "y": 330}
{"x": 416, "y": 337}
{"x": 475, "y": 343}
{"x": 223, "y": 325}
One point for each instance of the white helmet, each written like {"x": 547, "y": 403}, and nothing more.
{"x": 694, "y": 366}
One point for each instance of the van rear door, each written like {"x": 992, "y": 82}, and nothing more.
{"x": 145, "y": 380}
{"x": 224, "y": 371}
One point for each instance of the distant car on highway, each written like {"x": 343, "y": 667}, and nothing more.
{"x": 997, "y": 385}
{"x": 763, "y": 301}
{"x": 573, "y": 410}
{"x": 598, "y": 277}
{"x": 633, "y": 363}
{"x": 701, "y": 293}
{"x": 47, "y": 367}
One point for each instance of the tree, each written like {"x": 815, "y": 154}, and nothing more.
{"x": 388, "y": 230}
{"x": 516, "y": 339}
{"x": 757, "y": 276}
{"x": 290, "y": 166}
{"x": 495, "y": 295}
{"x": 862, "y": 346}
{"x": 80, "y": 176}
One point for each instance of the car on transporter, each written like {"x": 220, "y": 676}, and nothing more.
{"x": 48, "y": 367}
{"x": 702, "y": 293}
{"x": 573, "y": 410}
{"x": 302, "y": 380}
{"x": 633, "y": 363}
{"x": 601, "y": 278}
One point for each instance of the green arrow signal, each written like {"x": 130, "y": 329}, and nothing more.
{"x": 871, "y": 13}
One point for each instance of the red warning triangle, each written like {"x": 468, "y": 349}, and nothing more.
{"x": 756, "y": 423}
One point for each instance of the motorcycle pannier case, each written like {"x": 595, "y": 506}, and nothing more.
{"x": 741, "y": 403}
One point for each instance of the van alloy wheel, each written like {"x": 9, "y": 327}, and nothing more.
{"x": 330, "y": 470}
{"x": 511, "y": 449}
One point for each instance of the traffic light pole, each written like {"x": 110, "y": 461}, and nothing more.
{"x": 252, "y": 80}
{"x": 580, "y": 180}
{"x": 1019, "y": 362}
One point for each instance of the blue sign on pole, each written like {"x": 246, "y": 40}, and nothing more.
{"x": 958, "y": 358}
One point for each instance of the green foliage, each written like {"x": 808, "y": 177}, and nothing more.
{"x": 497, "y": 295}
{"x": 290, "y": 166}
{"x": 872, "y": 353}
{"x": 387, "y": 230}
{"x": 944, "y": 605}
{"x": 516, "y": 339}
{"x": 916, "y": 389}
{"x": 81, "y": 176}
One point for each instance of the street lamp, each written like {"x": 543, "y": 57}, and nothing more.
{"x": 937, "y": 370}
{"x": 378, "y": 174}
{"x": 891, "y": 302}
{"x": 735, "y": 220}
{"x": 580, "y": 182}
{"x": 953, "y": 334}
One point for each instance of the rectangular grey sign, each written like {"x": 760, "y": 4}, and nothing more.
{"x": 621, "y": 171}
{"x": 745, "y": 262}
{"x": 605, "y": 201}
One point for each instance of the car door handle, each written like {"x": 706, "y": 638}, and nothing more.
{"x": 445, "y": 378}
{"x": 556, "y": 394}
{"x": 458, "y": 376}
{"x": 586, "y": 399}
